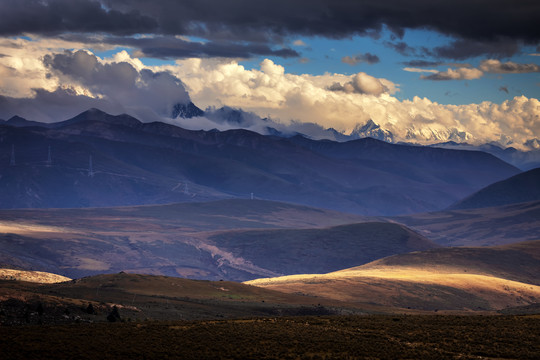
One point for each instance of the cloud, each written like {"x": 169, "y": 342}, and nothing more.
{"x": 421, "y": 63}
{"x": 361, "y": 83}
{"x": 455, "y": 74}
{"x": 167, "y": 47}
{"x": 271, "y": 92}
{"x": 495, "y": 27}
{"x": 466, "y": 48}
{"x": 497, "y": 67}
{"x": 71, "y": 82}
{"x": 401, "y": 47}
{"x": 299, "y": 42}
{"x": 83, "y": 80}
{"x": 56, "y": 16}
{"x": 417, "y": 70}
{"x": 367, "y": 58}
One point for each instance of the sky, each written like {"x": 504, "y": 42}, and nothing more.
{"x": 427, "y": 71}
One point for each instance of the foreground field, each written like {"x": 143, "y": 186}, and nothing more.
{"x": 338, "y": 337}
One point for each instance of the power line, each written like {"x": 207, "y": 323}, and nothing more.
{"x": 90, "y": 167}
{"x": 49, "y": 158}
{"x": 12, "y": 159}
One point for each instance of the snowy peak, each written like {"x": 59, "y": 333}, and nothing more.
{"x": 533, "y": 144}
{"x": 439, "y": 135}
{"x": 372, "y": 130}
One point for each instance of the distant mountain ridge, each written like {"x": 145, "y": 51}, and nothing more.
{"x": 99, "y": 159}
{"x": 524, "y": 187}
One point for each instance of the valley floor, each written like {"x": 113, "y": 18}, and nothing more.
{"x": 314, "y": 337}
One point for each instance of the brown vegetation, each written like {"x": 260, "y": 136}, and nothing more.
{"x": 351, "y": 337}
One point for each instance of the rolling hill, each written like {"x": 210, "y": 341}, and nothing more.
{"x": 227, "y": 239}
{"x": 149, "y": 297}
{"x": 294, "y": 251}
{"x": 524, "y": 187}
{"x": 439, "y": 279}
{"x": 97, "y": 159}
{"x": 478, "y": 227}
{"x": 160, "y": 239}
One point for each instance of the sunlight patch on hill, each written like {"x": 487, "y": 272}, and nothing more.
{"x": 32, "y": 276}
{"x": 22, "y": 228}
{"x": 398, "y": 285}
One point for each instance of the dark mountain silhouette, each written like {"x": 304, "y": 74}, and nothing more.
{"x": 21, "y": 122}
{"x": 144, "y": 163}
{"x": 186, "y": 111}
{"x": 96, "y": 115}
{"x": 520, "y": 188}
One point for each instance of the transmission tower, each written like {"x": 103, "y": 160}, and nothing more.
{"x": 49, "y": 157}
{"x": 90, "y": 168}
{"x": 12, "y": 159}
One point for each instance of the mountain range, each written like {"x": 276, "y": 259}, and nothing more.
{"x": 97, "y": 159}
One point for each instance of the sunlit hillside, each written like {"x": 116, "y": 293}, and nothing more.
{"x": 429, "y": 280}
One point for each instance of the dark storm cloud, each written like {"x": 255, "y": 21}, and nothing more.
{"x": 401, "y": 47}
{"x": 57, "y": 16}
{"x": 464, "y": 49}
{"x": 166, "y": 47}
{"x": 473, "y": 19}
{"x": 367, "y": 58}
{"x": 469, "y": 22}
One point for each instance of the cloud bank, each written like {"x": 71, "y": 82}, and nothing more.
{"x": 271, "y": 92}
{"x": 79, "y": 80}
{"x": 481, "y": 27}
{"x": 56, "y": 85}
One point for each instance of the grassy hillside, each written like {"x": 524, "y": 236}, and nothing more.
{"x": 31, "y": 276}
{"x": 518, "y": 262}
{"x": 165, "y": 239}
{"x": 478, "y": 227}
{"x": 140, "y": 297}
{"x": 293, "y": 251}
{"x": 467, "y": 279}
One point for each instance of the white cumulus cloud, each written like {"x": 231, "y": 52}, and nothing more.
{"x": 463, "y": 73}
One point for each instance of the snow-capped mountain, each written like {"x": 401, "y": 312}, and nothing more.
{"x": 440, "y": 135}
{"x": 372, "y": 130}
{"x": 533, "y": 144}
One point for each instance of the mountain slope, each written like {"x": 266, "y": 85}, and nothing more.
{"x": 520, "y": 188}
{"x": 144, "y": 163}
{"x": 478, "y": 227}
{"x": 168, "y": 239}
{"x": 294, "y": 251}
{"x": 439, "y": 279}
